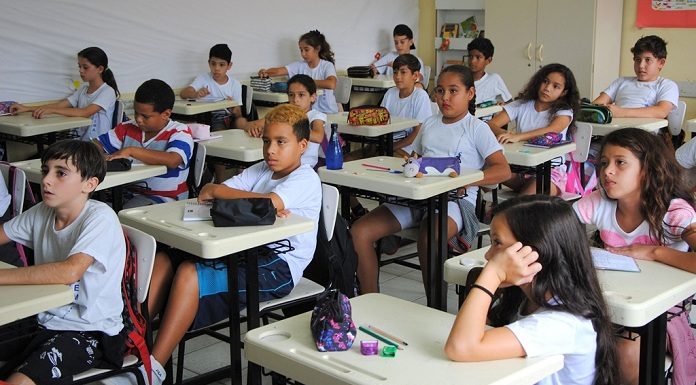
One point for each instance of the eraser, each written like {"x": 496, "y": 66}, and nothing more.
{"x": 369, "y": 347}
{"x": 389, "y": 351}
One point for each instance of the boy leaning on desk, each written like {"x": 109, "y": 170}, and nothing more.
{"x": 78, "y": 242}
{"x": 197, "y": 291}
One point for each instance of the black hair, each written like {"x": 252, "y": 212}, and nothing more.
{"x": 407, "y": 60}
{"x": 157, "y": 93}
{"x": 467, "y": 79}
{"x": 567, "y": 273}
{"x": 653, "y": 44}
{"x": 483, "y": 45}
{"x": 317, "y": 40}
{"x": 569, "y": 101}
{"x": 306, "y": 81}
{"x": 221, "y": 51}
{"x": 404, "y": 30}
{"x": 86, "y": 156}
{"x": 98, "y": 58}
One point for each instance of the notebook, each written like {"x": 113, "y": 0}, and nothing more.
{"x": 197, "y": 211}
{"x": 606, "y": 260}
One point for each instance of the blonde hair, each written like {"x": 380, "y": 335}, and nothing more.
{"x": 292, "y": 115}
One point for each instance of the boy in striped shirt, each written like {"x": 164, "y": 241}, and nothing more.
{"x": 153, "y": 138}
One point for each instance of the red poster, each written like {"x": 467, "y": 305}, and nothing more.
{"x": 666, "y": 14}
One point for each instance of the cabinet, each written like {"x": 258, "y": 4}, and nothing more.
{"x": 454, "y": 12}
{"x": 584, "y": 35}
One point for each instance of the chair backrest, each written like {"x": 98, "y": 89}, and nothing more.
{"x": 675, "y": 119}
{"x": 426, "y": 76}
{"x": 199, "y": 164}
{"x": 118, "y": 114}
{"x": 342, "y": 92}
{"x": 145, "y": 245}
{"x": 582, "y": 138}
{"x": 435, "y": 108}
{"x": 18, "y": 186}
{"x": 248, "y": 93}
{"x": 329, "y": 208}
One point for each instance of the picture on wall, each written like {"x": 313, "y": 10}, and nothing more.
{"x": 666, "y": 14}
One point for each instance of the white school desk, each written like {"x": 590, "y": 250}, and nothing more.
{"x": 20, "y": 301}
{"x": 235, "y": 145}
{"x": 434, "y": 190}
{"x": 195, "y": 107}
{"x": 638, "y": 300}
{"x": 164, "y": 222}
{"x": 383, "y": 133}
{"x": 487, "y": 111}
{"x": 23, "y": 125}
{"x": 538, "y": 158}
{"x": 287, "y": 347}
{"x": 691, "y": 125}
{"x": 647, "y": 124}
{"x": 272, "y": 97}
{"x": 379, "y": 81}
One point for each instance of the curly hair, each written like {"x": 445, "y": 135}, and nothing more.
{"x": 569, "y": 101}
{"x": 292, "y": 115}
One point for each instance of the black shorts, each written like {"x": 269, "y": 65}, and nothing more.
{"x": 54, "y": 357}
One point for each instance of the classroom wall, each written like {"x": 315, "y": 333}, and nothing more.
{"x": 170, "y": 39}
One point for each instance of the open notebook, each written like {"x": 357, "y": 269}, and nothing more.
{"x": 606, "y": 260}
{"x": 197, "y": 211}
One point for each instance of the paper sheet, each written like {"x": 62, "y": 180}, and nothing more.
{"x": 197, "y": 211}
{"x": 606, "y": 260}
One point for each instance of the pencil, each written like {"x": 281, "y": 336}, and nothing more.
{"x": 390, "y": 336}
{"x": 379, "y": 337}
{"x": 377, "y": 167}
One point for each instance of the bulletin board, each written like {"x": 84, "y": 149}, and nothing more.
{"x": 666, "y": 14}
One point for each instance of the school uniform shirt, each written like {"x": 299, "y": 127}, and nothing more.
{"x": 470, "y": 138}
{"x": 326, "y": 102}
{"x": 489, "y": 86}
{"x": 415, "y": 106}
{"x": 384, "y": 64}
{"x": 231, "y": 89}
{"x": 300, "y": 192}
{"x": 628, "y": 92}
{"x": 548, "y": 332}
{"x": 104, "y": 97}
{"x": 174, "y": 137}
{"x": 96, "y": 231}
{"x": 529, "y": 119}
{"x": 601, "y": 212}
{"x": 313, "y": 151}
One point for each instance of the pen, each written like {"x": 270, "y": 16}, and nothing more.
{"x": 390, "y": 336}
{"x": 379, "y": 337}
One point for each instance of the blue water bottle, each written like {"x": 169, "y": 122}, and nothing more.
{"x": 334, "y": 154}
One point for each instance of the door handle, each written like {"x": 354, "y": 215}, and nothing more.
{"x": 529, "y": 51}
{"x": 540, "y": 53}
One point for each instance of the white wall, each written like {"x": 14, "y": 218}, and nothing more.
{"x": 169, "y": 40}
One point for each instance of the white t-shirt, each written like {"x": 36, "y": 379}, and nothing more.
{"x": 601, "y": 212}
{"x": 528, "y": 118}
{"x": 489, "y": 86}
{"x": 415, "y": 106}
{"x": 686, "y": 154}
{"x": 300, "y": 192}
{"x": 470, "y": 138}
{"x": 384, "y": 64}
{"x": 548, "y": 332}
{"x": 628, "y": 92}
{"x": 326, "y": 102}
{"x": 95, "y": 232}
{"x": 104, "y": 97}
{"x": 311, "y": 154}
{"x": 231, "y": 89}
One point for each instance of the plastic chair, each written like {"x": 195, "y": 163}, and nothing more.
{"x": 19, "y": 186}
{"x": 146, "y": 246}
{"x": 582, "y": 139}
{"x": 196, "y": 168}
{"x": 248, "y": 99}
{"x": 118, "y": 114}
{"x": 426, "y": 76}
{"x": 675, "y": 119}
{"x": 342, "y": 92}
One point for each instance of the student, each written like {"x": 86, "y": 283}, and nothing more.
{"x": 153, "y": 138}
{"x": 317, "y": 62}
{"x": 198, "y": 294}
{"x": 553, "y": 303}
{"x": 646, "y": 95}
{"x": 686, "y": 157}
{"x": 489, "y": 86}
{"x": 302, "y": 92}
{"x": 643, "y": 210}
{"x": 547, "y": 105}
{"x": 455, "y": 132}
{"x": 403, "y": 44}
{"x": 95, "y": 99}
{"x": 216, "y": 85}
{"x": 77, "y": 242}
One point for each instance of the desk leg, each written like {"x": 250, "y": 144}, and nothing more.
{"x": 432, "y": 250}
{"x": 543, "y": 178}
{"x": 252, "y": 286}
{"x": 436, "y": 289}
{"x": 235, "y": 333}
{"x": 117, "y": 198}
{"x": 438, "y": 273}
{"x": 652, "y": 351}
{"x": 390, "y": 144}
{"x": 345, "y": 203}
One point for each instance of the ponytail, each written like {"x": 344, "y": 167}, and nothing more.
{"x": 317, "y": 40}
{"x": 108, "y": 78}
{"x": 97, "y": 57}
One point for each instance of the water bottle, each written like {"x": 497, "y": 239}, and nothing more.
{"x": 334, "y": 154}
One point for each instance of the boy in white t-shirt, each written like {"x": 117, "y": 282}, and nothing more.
{"x": 489, "y": 86}
{"x": 646, "y": 95}
{"x": 76, "y": 242}
{"x": 216, "y": 85}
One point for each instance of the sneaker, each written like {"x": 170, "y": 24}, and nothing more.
{"x": 158, "y": 376}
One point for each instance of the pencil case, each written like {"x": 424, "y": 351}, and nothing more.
{"x": 368, "y": 116}
{"x": 546, "y": 140}
{"x": 360, "y": 72}
{"x": 5, "y": 107}
{"x": 594, "y": 113}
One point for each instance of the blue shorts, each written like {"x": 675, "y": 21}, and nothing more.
{"x": 275, "y": 281}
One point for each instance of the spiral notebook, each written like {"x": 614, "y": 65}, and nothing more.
{"x": 197, "y": 211}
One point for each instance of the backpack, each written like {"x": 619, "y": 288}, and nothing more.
{"x": 134, "y": 322}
